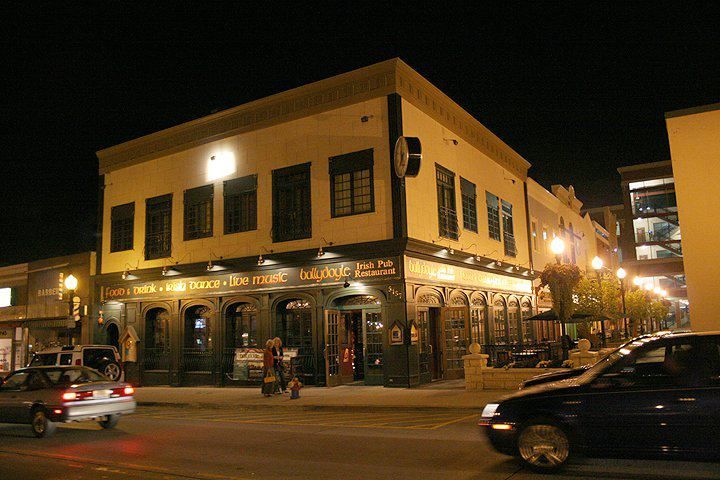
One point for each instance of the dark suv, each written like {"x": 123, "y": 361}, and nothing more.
{"x": 658, "y": 396}
{"x": 103, "y": 358}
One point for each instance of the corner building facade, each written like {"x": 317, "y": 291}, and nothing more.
{"x": 285, "y": 217}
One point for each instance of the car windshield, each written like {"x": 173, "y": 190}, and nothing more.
{"x": 40, "y": 359}
{"x": 621, "y": 352}
{"x": 69, "y": 376}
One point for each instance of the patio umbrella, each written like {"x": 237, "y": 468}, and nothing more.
{"x": 550, "y": 315}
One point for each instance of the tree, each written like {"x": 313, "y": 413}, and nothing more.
{"x": 658, "y": 312}
{"x": 561, "y": 280}
{"x": 637, "y": 306}
{"x": 601, "y": 300}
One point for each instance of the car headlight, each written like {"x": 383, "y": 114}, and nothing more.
{"x": 489, "y": 410}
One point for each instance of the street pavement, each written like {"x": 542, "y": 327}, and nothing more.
{"x": 298, "y": 443}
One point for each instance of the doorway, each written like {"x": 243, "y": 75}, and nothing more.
{"x": 113, "y": 336}
{"x": 354, "y": 341}
{"x": 431, "y": 352}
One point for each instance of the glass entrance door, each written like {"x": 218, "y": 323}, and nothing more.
{"x": 455, "y": 340}
{"x": 373, "y": 346}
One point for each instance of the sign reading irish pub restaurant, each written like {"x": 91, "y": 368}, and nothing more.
{"x": 331, "y": 273}
{"x": 442, "y": 273}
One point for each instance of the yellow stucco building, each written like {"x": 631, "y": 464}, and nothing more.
{"x": 694, "y": 136}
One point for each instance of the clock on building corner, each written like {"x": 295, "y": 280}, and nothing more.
{"x": 407, "y": 156}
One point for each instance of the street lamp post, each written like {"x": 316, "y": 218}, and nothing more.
{"x": 71, "y": 284}
{"x": 621, "y": 274}
{"x": 597, "y": 265}
{"x": 557, "y": 246}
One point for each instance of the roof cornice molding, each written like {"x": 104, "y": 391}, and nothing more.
{"x": 374, "y": 81}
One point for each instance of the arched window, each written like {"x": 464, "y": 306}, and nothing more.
{"x": 241, "y": 325}
{"x": 198, "y": 328}
{"x": 527, "y": 327}
{"x": 478, "y": 319}
{"x": 293, "y": 324}
{"x": 512, "y": 316}
{"x": 499, "y": 326}
{"x": 157, "y": 334}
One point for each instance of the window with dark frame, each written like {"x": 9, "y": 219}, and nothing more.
{"x": 469, "y": 205}
{"x": 198, "y": 222}
{"x": 447, "y": 213}
{"x": 493, "y": 209}
{"x": 158, "y": 227}
{"x": 292, "y": 212}
{"x": 508, "y": 231}
{"x": 351, "y": 184}
{"x": 122, "y": 226}
{"x": 240, "y": 204}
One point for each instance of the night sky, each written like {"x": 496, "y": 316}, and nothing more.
{"x": 577, "y": 91}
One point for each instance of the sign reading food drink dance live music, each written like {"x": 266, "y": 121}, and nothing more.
{"x": 450, "y": 274}
{"x": 330, "y": 273}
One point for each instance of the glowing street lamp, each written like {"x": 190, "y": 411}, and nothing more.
{"x": 637, "y": 281}
{"x": 648, "y": 287}
{"x": 657, "y": 291}
{"x": 597, "y": 263}
{"x": 621, "y": 273}
{"x": 557, "y": 246}
{"x": 71, "y": 282}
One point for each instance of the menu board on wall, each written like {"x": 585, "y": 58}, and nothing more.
{"x": 423, "y": 270}
{"x": 323, "y": 274}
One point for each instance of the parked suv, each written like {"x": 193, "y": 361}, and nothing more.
{"x": 103, "y": 358}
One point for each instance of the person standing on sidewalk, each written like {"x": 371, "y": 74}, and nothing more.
{"x": 269, "y": 380}
{"x": 278, "y": 353}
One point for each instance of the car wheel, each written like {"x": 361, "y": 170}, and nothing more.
{"x": 110, "y": 421}
{"x": 41, "y": 426}
{"x": 112, "y": 370}
{"x": 544, "y": 446}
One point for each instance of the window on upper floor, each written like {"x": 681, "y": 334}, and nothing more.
{"x": 447, "y": 213}
{"x": 493, "y": 209}
{"x": 240, "y": 204}
{"x": 292, "y": 213}
{"x": 508, "y": 231}
{"x": 198, "y": 212}
{"x": 122, "y": 223}
{"x": 351, "y": 184}
{"x": 158, "y": 227}
{"x": 469, "y": 205}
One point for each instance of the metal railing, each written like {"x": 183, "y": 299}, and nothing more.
{"x": 156, "y": 359}
{"x": 196, "y": 360}
{"x": 499, "y": 354}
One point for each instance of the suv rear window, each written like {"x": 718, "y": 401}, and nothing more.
{"x": 95, "y": 357}
{"x": 43, "y": 359}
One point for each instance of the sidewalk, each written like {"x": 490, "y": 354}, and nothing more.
{"x": 445, "y": 395}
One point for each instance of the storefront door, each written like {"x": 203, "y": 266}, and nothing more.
{"x": 334, "y": 323}
{"x": 455, "y": 340}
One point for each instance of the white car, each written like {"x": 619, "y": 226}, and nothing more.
{"x": 44, "y": 396}
{"x": 103, "y": 358}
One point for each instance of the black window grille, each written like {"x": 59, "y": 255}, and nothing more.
{"x": 240, "y": 205}
{"x": 351, "y": 183}
{"x": 508, "y": 232}
{"x": 469, "y": 205}
{"x": 292, "y": 214}
{"x": 121, "y": 227}
{"x": 493, "y": 209}
{"x": 198, "y": 212}
{"x": 158, "y": 227}
{"x": 447, "y": 214}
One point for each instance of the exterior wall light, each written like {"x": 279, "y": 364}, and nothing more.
{"x": 261, "y": 260}
{"x": 71, "y": 282}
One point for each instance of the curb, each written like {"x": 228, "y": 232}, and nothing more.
{"x": 354, "y": 408}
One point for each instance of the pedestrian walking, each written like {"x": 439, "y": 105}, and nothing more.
{"x": 279, "y": 366}
{"x": 269, "y": 381}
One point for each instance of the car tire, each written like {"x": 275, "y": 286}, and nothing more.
{"x": 544, "y": 446}
{"x": 41, "y": 426}
{"x": 112, "y": 370}
{"x": 110, "y": 421}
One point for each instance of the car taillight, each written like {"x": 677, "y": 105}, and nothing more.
{"x": 123, "y": 391}
{"x": 73, "y": 396}
{"x": 69, "y": 396}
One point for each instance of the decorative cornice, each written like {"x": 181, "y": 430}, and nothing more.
{"x": 374, "y": 81}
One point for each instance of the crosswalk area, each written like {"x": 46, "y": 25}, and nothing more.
{"x": 400, "y": 419}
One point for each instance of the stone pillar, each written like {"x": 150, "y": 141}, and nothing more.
{"x": 474, "y": 364}
{"x": 583, "y": 355}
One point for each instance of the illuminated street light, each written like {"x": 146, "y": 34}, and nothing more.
{"x": 621, "y": 273}
{"x": 637, "y": 281}
{"x": 558, "y": 247}
{"x": 648, "y": 287}
{"x": 657, "y": 290}
{"x": 71, "y": 282}
{"x": 597, "y": 263}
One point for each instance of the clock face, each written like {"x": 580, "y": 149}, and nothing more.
{"x": 401, "y": 157}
